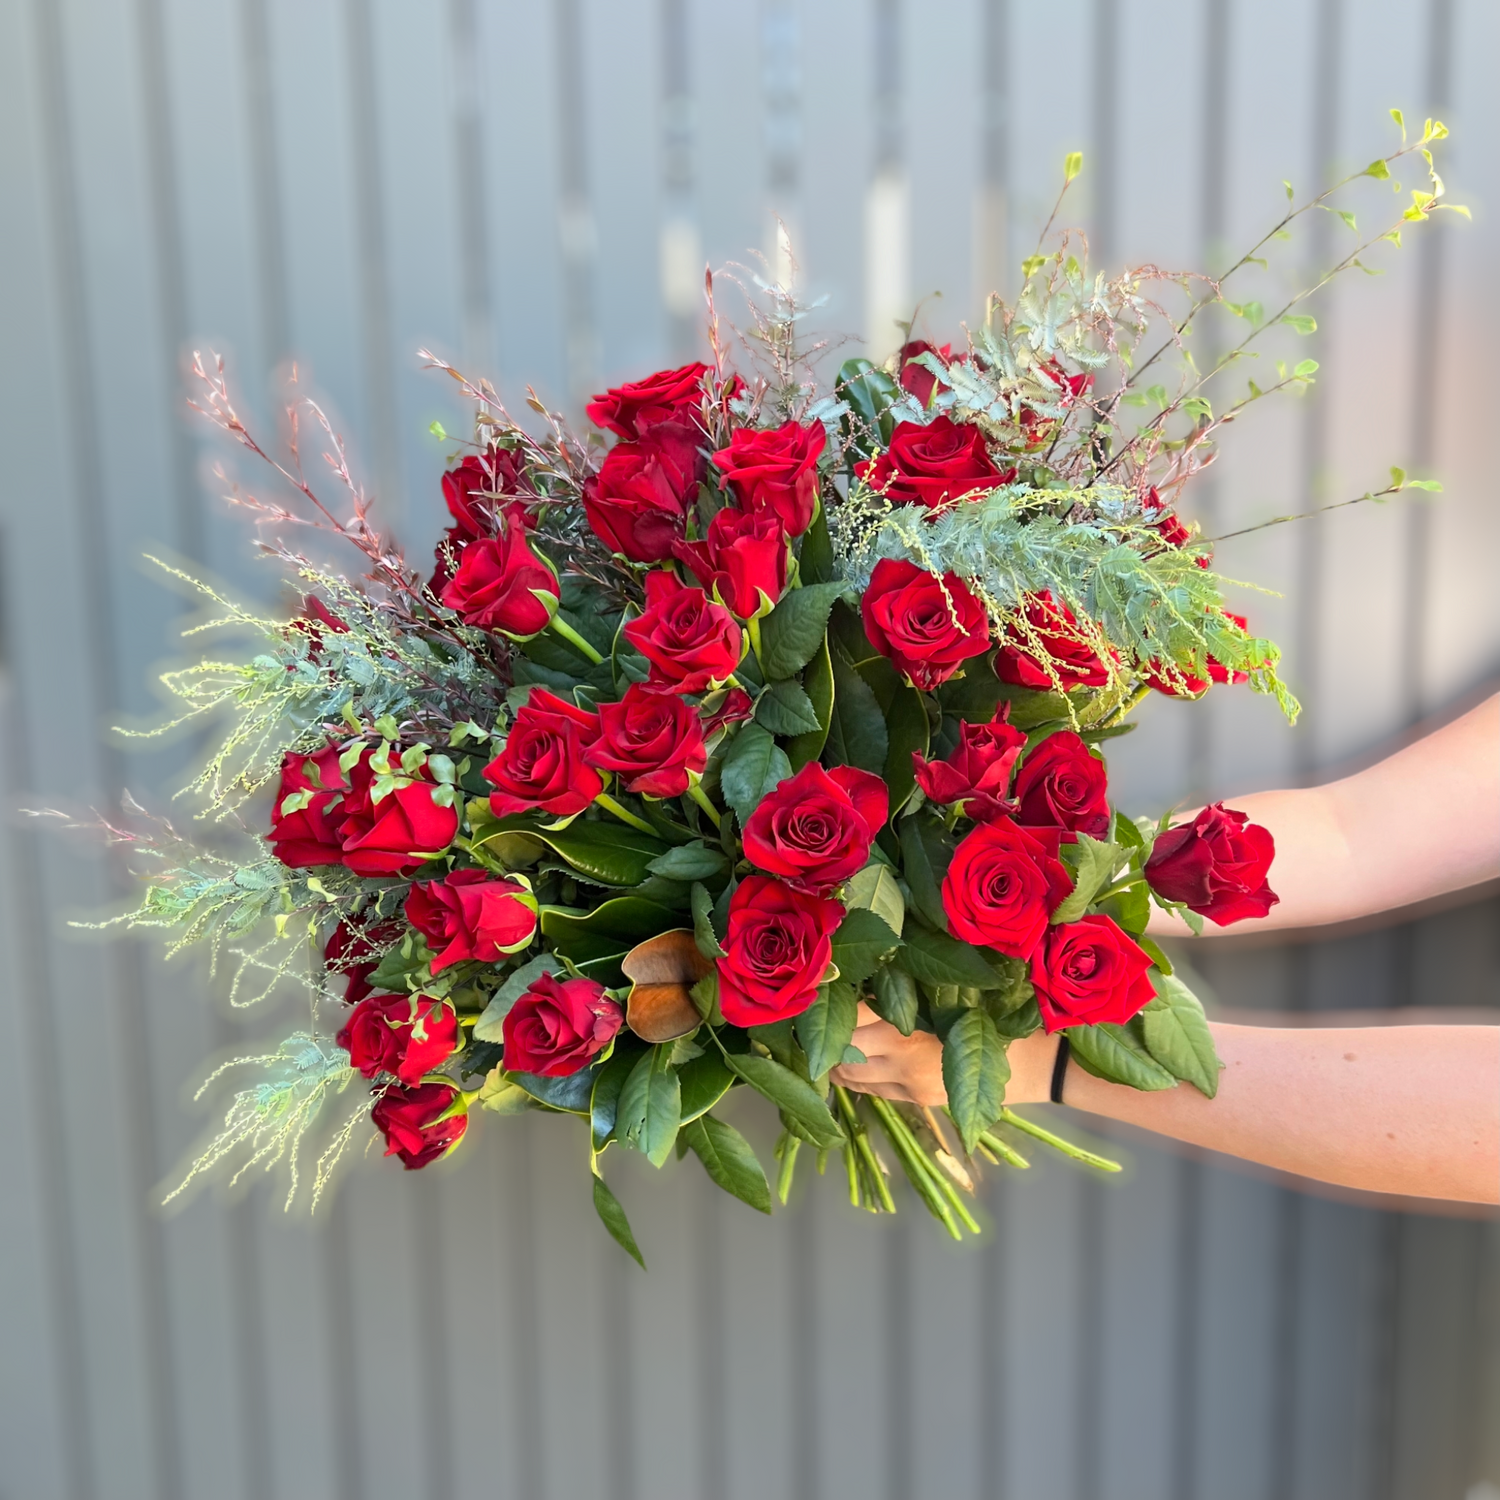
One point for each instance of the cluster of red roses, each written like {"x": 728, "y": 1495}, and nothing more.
{"x": 1006, "y": 880}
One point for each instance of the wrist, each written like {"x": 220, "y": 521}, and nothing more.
{"x": 1031, "y": 1062}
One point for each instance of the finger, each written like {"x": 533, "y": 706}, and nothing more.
{"x": 866, "y": 1015}
{"x": 863, "y": 1080}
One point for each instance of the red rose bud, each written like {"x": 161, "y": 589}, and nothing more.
{"x": 637, "y": 503}
{"x": 1060, "y": 785}
{"x": 355, "y": 952}
{"x": 775, "y": 471}
{"x": 1001, "y": 888}
{"x": 777, "y": 949}
{"x": 502, "y": 585}
{"x": 667, "y": 396}
{"x": 742, "y": 563}
{"x": 737, "y": 706}
{"x": 933, "y": 465}
{"x": 651, "y": 741}
{"x": 305, "y": 819}
{"x": 1054, "y": 630}
{"x": 918, "y": 379}
{"x": 410, "y": 1120}
{"x": 691, "y": 642}
{"x": 1089, "y": 971}
{"x": 407, "y": 1035}
{"x": 401, "y": 831}
{"x": 559, "y": 1026}
{"x": 471, "y": 915}
{"x": 475, "y": 492}
{"x": 541, "y": 764}
{"x": 815, "y": 830}
{"x": 1216, "y": 866}
{"x": 1167, "y": 526}
{"x": 926, "y": 626}
{"x": 977, "y": 774}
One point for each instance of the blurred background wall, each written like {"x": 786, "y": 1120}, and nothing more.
{"x": 532, "y": 189}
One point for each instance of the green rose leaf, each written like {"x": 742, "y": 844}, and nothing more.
{"x": 817, "y": 683}
{"x": 926, "y": 852}
{"x": 612, "y": 1216}
{"x": 825, "y": 1027}
{"x": 896, "y": 999}
{"x": 937, "y": 959}
{"x": 785, "y": 709}
{"x": 730, "y": 1160}
{"x": 754, "y": 766}
{"x": 704, "y": 1081}
{"x": 650, "y": 1109}
{"x": 906, "y": 731}
{"x": 876, "y": 889}
{"x": 703, "y": 923}
{"x": 1097, "y": 862}
{"x": 1119, "y": 1054}
{"x": 856, "y": 733}
{"x": 605, "y": 853}
{"x": 1177, "y": 1035}
{"x": 975, "y": 1072}
{"x": 799, "y": 1102}
{"x": 862, "y": 940}
{"x": 695, "y": 861}
{"x": 791, "y": 634}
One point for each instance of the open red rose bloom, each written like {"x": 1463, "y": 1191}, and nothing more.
{"x": 729, "y": 716}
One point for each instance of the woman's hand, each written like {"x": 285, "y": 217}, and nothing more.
{"x": 910, "y": 1068}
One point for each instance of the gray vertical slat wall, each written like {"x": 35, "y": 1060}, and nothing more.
{"x": 520, "y": 186}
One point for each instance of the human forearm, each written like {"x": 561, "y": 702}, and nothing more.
{"x": 1413, "y": 1110}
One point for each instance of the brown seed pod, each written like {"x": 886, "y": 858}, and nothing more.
{"x": 662, "y": 970}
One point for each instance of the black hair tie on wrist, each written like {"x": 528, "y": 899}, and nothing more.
{"x": 1059, "y": 1069}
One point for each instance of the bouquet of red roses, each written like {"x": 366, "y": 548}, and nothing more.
{"x": 758, "y": 702}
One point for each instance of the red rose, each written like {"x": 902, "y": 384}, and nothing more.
{"x": 1216, "y": 866}
{"x": 925, "y": 625}
{"x": 471, "y": 915}
{"x": 1167, "y": 526}
{"x": 816, "y": 828}
{"x": 667, "y": 396}
{"x": 1054, "y": 629}
{"x": 355, "y": 952}
{"x": 474, "y": 491}
{"x": 918, "y": 379}
{"x": 638, "y": 501}
{"x": 404, "y": 829}
{"x": 558, "y": 1026}
{"x": 1002, "y": 887}
{"x": 1089, "y": 971}
{"x": 933, "y": 464}
{"x": 650, "y": 741}
{"x": 977, "y": 774}
{"x": 409, "y": 1121}
{"x": 314, "y": 620}
{"x": 776, "y": 951}
{"x": 304, "y": 829}
{"x": 743, "y": 561}
{"x": 408, "y": 1035}
{"x": 502, "y": 585}
{"x": 691, "y": 642}
{"x": 541, "y": 764}
{"x": 775, "y": 471}
{"x": 1060, "y": 785}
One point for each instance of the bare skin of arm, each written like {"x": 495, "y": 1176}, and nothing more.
{"x": 1412, "y": 1110}
{"x": 1420, "y": 823}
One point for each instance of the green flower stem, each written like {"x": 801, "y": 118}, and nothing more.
{"x": 790, "y": 1146}
{"x": 918, "y": 1172}
{"x": 944, "y": 1183}
{"x": 696, "y": 792}
{"x": 752, "y": 626}
{"x": 851, "y": 1166}
{"x": 859, "y": 1134}
{"x": 1103, "y": 1163}
{"x": 609, "y": 804}
{"x": 997, "y": 1148}
{"x": 1124, "y": 883}
{"x": 573, "y": 638}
